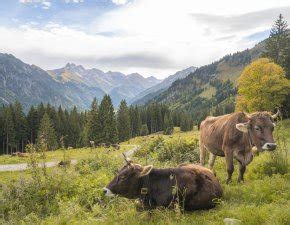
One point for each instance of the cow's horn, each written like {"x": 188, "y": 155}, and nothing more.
{"x": 276, "y": 115}
{"x": 127, "y": 160}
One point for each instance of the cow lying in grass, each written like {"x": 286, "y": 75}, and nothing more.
{"x": 191, "y": 186}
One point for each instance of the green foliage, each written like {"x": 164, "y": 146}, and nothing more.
{"x": 92, "y": 128}
{"x": 144, "y": 130}
{"x": 262, "y": 86}
{"x": 179, "y": 152}
{"x": 186, "y": 122}
{"x": 174, "y": 152}
{"x": 278, "y": 44}
{"x": 107, "y": 122}
{"x": 168, "y": 124}
{"x": 123, "y": 122}
{"x": 46, "y": 134}
{"x": 277, "y": 162}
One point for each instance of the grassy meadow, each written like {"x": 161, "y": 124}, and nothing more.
{"x": 74, "y": 195}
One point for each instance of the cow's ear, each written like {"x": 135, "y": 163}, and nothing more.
{"x": 242, "y": 127}
{"x": 145, "y": 171}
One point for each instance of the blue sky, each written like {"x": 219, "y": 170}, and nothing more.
{"x": 152, "y": 37}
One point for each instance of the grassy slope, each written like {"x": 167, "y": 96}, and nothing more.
{"x": 260, "y": 200}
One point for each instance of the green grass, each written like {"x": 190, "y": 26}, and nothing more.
{"x": 80, "y": 153}
{"x": 75, "y": 195}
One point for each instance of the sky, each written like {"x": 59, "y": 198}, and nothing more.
{"x": 151, "y": 37}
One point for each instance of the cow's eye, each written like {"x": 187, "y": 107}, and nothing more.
{"x": 257, "y": 128}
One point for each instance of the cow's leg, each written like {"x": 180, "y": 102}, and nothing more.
{"x": 211, "y": 160}
{"x": 230, "y": 164}
{"x": 202, "y": 154}
{"x": 242, "y": 169}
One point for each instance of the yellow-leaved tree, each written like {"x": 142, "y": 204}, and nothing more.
{"x": 262, "y": 86}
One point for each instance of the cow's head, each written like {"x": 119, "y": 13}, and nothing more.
{"x": 260, "y": 127}
{"x": 127, "y": 182}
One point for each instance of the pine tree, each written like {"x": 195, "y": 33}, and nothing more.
{"x": 144, "y": 130}
{"x": 20, "y": 126}
{"x": 168, "y": 124}
{"x": 74, "y": 128}
{"x": 2, "y": 137}
{"x": 107, "y": 122}
{"x": 123, "y": 122}
{"x": 46, "y": 133}
{"x": 276, "y": 46}
{"x": 186, "y": 122}
{"x": 9, "y": 130}
{"x": 92, "y": 127}
{"x": 32, "y": 124}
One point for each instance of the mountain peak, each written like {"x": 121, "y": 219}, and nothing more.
{"x": 70, "y": 65}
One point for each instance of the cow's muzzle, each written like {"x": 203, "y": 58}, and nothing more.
{"x": 108, "y": 192}
{"x": 269, "y": 146}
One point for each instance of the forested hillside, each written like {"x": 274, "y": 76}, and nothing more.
{"x": 211, "y": 88}
{"x": 75, "y": 128}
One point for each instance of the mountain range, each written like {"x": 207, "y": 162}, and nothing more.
{"x": 155, "y": 90}
{"x": 210, "y": 89}
{"x": 71, "y": 85}
{"x": 192, "y": 89}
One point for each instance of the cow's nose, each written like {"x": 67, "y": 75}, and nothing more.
{"x": 271, "y": 146}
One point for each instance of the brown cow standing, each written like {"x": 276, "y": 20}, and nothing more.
{"x": 233, "y": 136}
{"x": 192, "y": 186}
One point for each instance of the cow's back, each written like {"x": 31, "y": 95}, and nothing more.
{"x": 216, "y": 132}
{"x": 202, "y": 188}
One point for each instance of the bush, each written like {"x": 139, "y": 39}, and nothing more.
{"x": 144, "y": 130}
{"x": 179, "y": 152}
{"x": 150, "y": 148}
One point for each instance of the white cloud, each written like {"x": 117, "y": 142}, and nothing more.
{"x": 46, "y": 4}
{"x": 120, "y": 2}
{"x": 153, "y": 37}
{"x": 74, "y": 1}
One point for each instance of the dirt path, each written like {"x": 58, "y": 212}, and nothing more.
{"x": 24, "y": 166}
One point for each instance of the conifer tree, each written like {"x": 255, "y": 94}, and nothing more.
{"x": 123, "y": 121}
{"x": 278, "y": 44}
{"x": 32, "y": 124}
{"x": 2, "y": 142}
{"x": 144, "y": 130}
{"x": 46, "y": 133}
{"x": 107, "y": 122}
{"x": 20, "y": 126}
{"x": 168, "y": 124}
{"x": 92, "y": 127}
{"x": 9, "y": 130}
{"x": 74, "y": 128}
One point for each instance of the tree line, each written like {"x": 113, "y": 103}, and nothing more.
{"x": 100, "y": 124}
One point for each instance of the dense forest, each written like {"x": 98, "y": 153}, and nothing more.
{"x": 100, "y": 124}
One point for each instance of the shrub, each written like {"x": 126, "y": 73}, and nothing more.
{"x": 179, "y": 152}
{"x": 150, "y": 148}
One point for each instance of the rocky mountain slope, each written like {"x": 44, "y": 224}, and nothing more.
{"x": 118, "y": 85}
{"x": 31, "y": 85}
{"x": 72, "y": 85}
{"x": 210, "y": 89}
{"x": 152, "y": 92}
